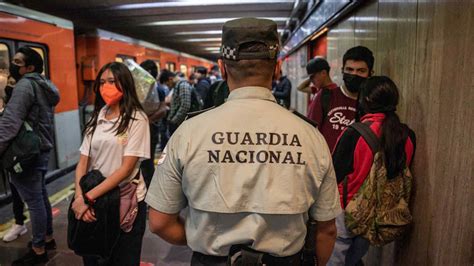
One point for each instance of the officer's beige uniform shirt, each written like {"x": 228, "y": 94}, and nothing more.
{"x": 108, "y": 149}
{"x": 249, "y": 171}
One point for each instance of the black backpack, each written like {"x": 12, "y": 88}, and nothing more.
{"x": 23, "y": 151}
{"x": 197, "y": 103}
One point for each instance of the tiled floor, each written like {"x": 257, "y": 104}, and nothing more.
{"x": 154, "y": 250}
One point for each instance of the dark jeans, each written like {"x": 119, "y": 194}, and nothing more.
{"x": 172, "y": 128}
{"x": 148, "y": 166}
{"x": 18, "y": 206}
{"x": 128, "y": 249}
{"x": 31, "y": 186}
{"x": 164, "y": 134}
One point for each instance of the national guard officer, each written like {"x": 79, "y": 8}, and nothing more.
{"x": 251, "y": 178}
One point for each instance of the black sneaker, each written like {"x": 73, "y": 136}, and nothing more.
{"x": 31, "y": 258}
{"x": 51, "y": 245}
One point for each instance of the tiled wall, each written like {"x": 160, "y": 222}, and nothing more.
{"x": 426, "y": 48}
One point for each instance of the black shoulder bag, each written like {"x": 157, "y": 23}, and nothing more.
{"x": 23, "y": 151}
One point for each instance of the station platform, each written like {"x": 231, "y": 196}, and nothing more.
{"x": 154, "y": 250}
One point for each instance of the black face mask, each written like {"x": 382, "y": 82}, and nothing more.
{"x": 353, "y": 82}
{"x": 15, "y": 72}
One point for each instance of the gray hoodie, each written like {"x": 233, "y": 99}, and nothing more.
{"x": 22, "y": 106}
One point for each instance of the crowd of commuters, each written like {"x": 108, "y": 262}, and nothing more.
{"x": 250, "y": 182}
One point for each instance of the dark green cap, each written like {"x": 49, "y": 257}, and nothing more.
{"x": 244, "y": 30}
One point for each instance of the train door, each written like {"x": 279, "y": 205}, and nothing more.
{"x": 6, "y": 55}
{"x": 157, "y": 63}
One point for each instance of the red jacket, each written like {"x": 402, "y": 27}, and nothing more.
{"x": 352, "y": 156}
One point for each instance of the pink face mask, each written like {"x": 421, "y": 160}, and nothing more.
{"x": 110, "y": 93}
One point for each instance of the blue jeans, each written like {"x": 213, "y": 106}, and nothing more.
{"x": 18, "y": 206}
{"x": 31, "y": 186}
{"x": 349, "y": 249}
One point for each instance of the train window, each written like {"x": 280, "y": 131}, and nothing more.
{"x": 121, "y": 57}
{"x": 171, "y": 66}
{"x": 4, "y": 65}
{"x": 184, "y": 70}
{"x": 42, "y": 50}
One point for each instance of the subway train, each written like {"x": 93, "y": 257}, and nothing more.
{"x": 72, "y": 61}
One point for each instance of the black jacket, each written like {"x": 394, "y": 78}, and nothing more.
{"x": 282, "y": 92}
{"x": 22, "y": 106}
{"x": 99, "y": 237}
{"x": 202, "y": 87}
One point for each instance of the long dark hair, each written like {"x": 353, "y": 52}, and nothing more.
{"x": 379, "y": 94}
{"x": 129, "y": 103}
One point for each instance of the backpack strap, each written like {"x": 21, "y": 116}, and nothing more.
{"x": 371, "y": 139}
{"x": 35, "y": 104}
{"x": 300, "y": 115}
{"x": 325, "y": 101}
{"x": 368, "y": 135}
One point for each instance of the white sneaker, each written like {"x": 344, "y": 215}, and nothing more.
{"x": 14, "y": 232}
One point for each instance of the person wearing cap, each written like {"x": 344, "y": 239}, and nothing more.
{"x": 318, "y": 79}
{"x": 335, "y": 109}
{"x": 318, "y": 76}
{"x": 251, "y": 181}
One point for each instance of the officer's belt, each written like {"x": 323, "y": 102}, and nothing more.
{"x": 267, "y": 259}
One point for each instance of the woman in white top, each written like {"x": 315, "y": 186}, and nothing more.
{"x": 119, "y": 132}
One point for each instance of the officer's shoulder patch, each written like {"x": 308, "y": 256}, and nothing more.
{"x": 300, "y": 115}
{"x": 196, "y": 113}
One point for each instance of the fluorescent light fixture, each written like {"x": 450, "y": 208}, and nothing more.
{"x": 203, "y": 40}
{"x": 198, "y": 3}
{"x": 205, "y": 32}
{"x": 200, "y": 21}
{"x": 212, "y": 48}
{"x": 208, "y": 32}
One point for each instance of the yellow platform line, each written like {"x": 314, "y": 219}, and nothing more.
{"x": 54, "y": 199}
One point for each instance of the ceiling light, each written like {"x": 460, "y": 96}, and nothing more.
{"x": 203, "y": 40}
{"x": 199, "y": 21}
{"x": 208, "y": 32}
{"x": 198, "y": 3}
{"x": 212, "y": 48}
